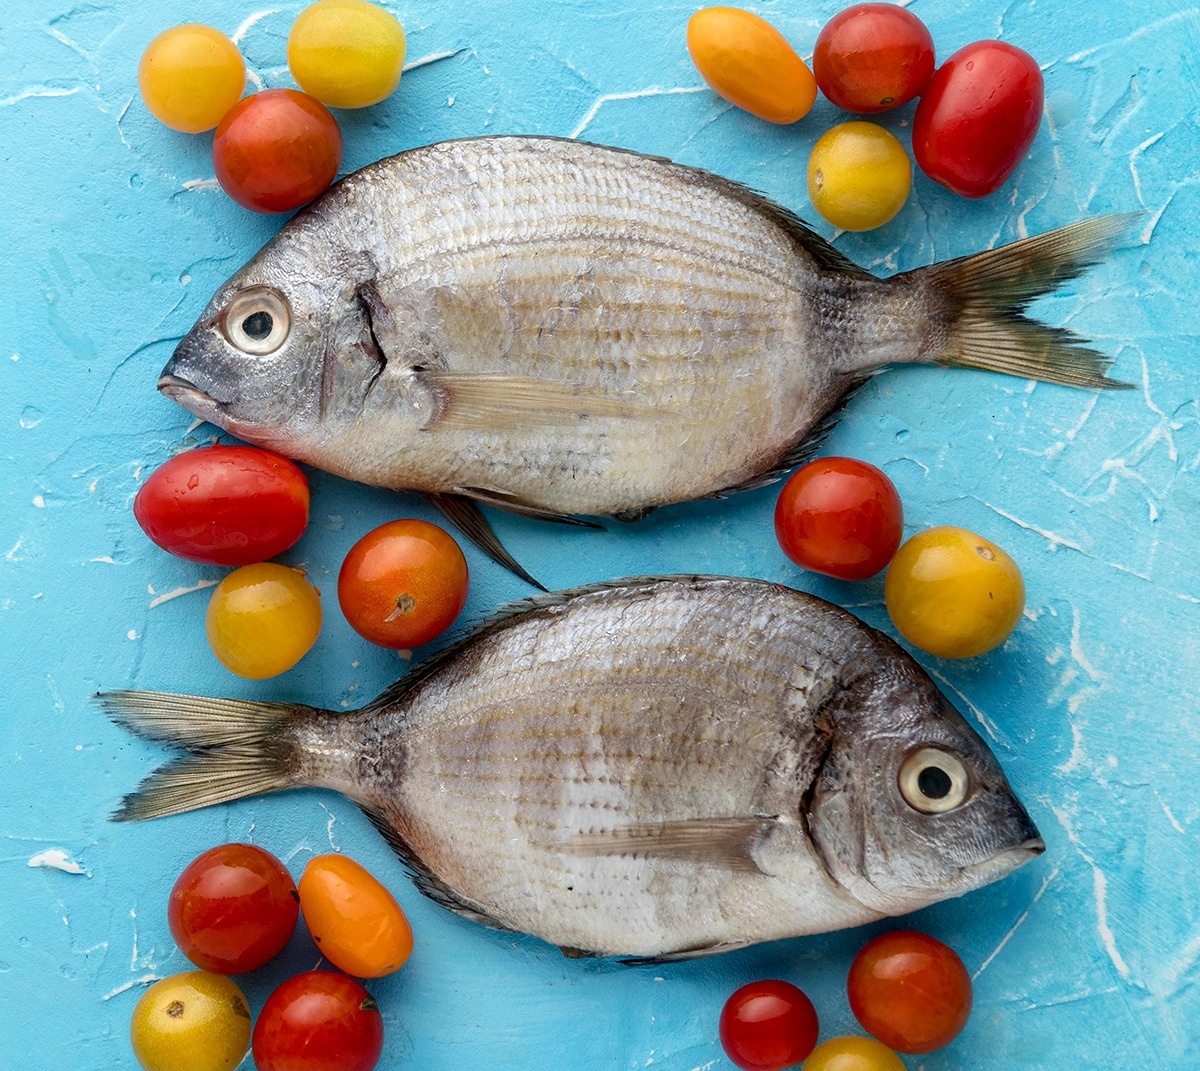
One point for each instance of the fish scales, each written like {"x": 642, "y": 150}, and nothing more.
{"x": 651, "y": 767}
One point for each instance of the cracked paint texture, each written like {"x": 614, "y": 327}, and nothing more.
{"x": 114, "y": 237}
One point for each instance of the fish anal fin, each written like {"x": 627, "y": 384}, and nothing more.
{"x": 473, "y": 401}
{"x": 724, "y": 842}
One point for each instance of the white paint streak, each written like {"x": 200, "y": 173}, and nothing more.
{"x": 1016, "y": 925}
{"x": 57, "y": 859}
{"x": 653, "y": 91}
{"x": 167, "y": 596}
{"x": 202, "y": 184}
{"x": 329, "y": 826}
{"x": 145, "y": 979}
{"x": 37, "y": 91}
{"x": 433, "y": 57}
{"x": 1052, "y": 538}
{"x": 250, "y": 20}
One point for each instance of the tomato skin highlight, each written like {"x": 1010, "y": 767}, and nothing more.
{"x": 193, "y": 1021}
{"x": 910, "y": 991}
{"x": 233, "y": 908}
{"x": 224, "y": 505}
{"x": 840, "y": 517}
{"x": 872, "y": 57}
{"x": 353, "y": 918}
{"x": 403, "y": 583}
{"x": 277, "y": 150}
{"x": 768, "y": 1025}
{"x": 318, "y": 1021}
{"x": 978, "y": 117}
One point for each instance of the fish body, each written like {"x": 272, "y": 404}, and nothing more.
{"x": 559, "y": 329}
{"x": 654, "y": 767}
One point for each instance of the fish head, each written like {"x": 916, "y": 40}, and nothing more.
{"x": 910, "y": 805}
{"x": 258, "y": 360}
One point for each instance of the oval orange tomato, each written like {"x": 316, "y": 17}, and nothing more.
{"x": 353, "y": 918}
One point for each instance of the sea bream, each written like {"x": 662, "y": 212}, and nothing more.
{"x": 650, "y": 768}
{"x": 560, "y": 329}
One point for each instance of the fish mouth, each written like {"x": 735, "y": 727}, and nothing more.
{"x": 1002, "y": 863}
{"x": 186, "y": 393}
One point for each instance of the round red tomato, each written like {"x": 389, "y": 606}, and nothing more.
{"x": 224, "y": 505}
{"x": 910, "y": 991}
{"x": 277, "y": 150}
{"x": 768, "y": 1025}
{"x": 871, "y": 57}
{"x": 840, "y": 517}
{"x": 977, "y": 117}
{"x": 233, "y": 908}
{"x": 403, "y": 584}
{"x": 318, "y": 1021}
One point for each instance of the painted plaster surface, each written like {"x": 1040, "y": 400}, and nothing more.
{"x": 114, "y": 235}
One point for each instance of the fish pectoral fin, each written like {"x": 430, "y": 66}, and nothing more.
{"x": 470, "y": 401}
{"x": 725, "y": 842}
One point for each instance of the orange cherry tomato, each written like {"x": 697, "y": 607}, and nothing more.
{"x": 403, "y": 584}
{"x": 353, "y": 918}
{"x": 910, "y": 991}
{"x": 750, "y": 63}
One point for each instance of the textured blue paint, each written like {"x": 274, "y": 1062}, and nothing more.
{"x": 1089, "y": 957}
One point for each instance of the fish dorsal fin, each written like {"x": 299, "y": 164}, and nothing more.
{"x": 723, "y": 842}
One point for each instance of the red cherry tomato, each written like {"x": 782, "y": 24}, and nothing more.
{"x": 403, "y": 584}
{"x": 224, "y": 505}
{"x": 871, "y": 57}
{"x": 977, "y": 117}
{"x": 318, "y": 1021}
{"x": 910, "y": 991}
{"x": 768, "y": 1025}
{"x": 840, "y": 517}
{"x": 233, "y": 908}
{"x": 277, "y": 150}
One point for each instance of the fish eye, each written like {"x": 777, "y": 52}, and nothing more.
{"x": 933, "y": 781}
{"x": 257, "y": 321}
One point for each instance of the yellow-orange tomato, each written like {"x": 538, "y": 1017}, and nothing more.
{"x": 853, "y": 1054}
{"x": 858, "y": 176}
{"x": 190, "y": 76}
{"x": 953, "y": 593}
{"x": 750, "y": 63}
{"x": 355, "y": 921}
{"x": 194, "y": 1021}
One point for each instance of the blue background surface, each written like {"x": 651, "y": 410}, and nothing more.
{"x": 114, "y": 235}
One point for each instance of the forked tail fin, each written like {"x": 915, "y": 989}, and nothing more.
{"x": 237, "y": 748}
{"x": 979, "y": 304}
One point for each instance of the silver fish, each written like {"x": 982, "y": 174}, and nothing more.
{"x": 560, "y": 329}
{"x": 651, "y": 768}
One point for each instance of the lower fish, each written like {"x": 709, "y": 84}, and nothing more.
{"x": 563, "y": 330}
{"x": 652, "y": 768}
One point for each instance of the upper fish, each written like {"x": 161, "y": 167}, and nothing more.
{"x": 559, "y": 329}
{"x": 650, "y": 768}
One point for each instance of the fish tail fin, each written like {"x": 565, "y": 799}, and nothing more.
{"x": 238, "y": 748}
{"x": 981, "y": 301}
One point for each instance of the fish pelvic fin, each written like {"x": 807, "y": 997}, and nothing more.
{"x": 980, "y": 302}
{"x": 238, "y": 748}
{"x": 465, "y": 515}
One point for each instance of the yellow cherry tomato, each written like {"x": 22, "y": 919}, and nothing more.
{"x": 852, "y": 1054}
{"x": 354, "y": 920}
{"x": 190, "y": 76}
{"x": 194, "y": 1021}
{"x": 346, "y": 53}
{"x": 953, "y": 593}
{"x": 262, "y": 619}
{"x": 750, "y": 63}
{"x": 858, "y": 176}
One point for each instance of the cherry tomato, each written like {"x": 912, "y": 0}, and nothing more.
{"x": 977, "y": 117}
{"x": 853, "y": 1054}
{"x": 193, "y": 1021}
{"x": 871, "y": 57}
{"x": 858, "y": 176}
{"x": 346, "y": 53}
{"x": 353, "y": 918}
{"x": 768, "y": 1025}
{"x": 262, "y": 619}
{"x": 953, "y": 593}
{"x": 750, "y": 63}
{"x": 403, "y": 584}
{"x": 277, "y": 150}
{"x": 840, "y": 517}
{"x": 318, "y": 1021}
{"x": 224, "y": 505}
{"x": 233, "y": 908}
{"x": 910, "y": 990}
{"x": 190, "y": 76}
